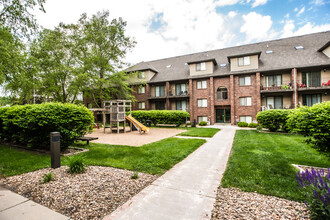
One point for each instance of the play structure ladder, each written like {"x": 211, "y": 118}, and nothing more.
{"x": 140, "y": 127}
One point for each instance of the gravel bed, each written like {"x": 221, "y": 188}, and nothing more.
{"x": 92, "y": 195}
{"x": 232, "y": 203}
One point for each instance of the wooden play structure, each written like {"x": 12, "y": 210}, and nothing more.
{"x": 114, "y": 113}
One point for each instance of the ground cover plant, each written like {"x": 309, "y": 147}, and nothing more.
{"x": 261, "y": 162}
{"x": 154, "y": 158}
{"x": 199, "y": 132}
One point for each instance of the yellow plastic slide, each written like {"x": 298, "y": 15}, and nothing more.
{"x": 137, "y": 124}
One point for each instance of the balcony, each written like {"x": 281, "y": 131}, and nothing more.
{"x": 264, "y": 108}
{"x": 285, "y": 86}
{"x": 181, "y": 94}
{"x": 303, "y": 86}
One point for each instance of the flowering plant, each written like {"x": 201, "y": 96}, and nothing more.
{"x": 315, "y": 186}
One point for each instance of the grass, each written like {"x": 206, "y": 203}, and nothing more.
{"x": 261, "y": 162}
{"x": 200, "y": 132}
{"x": 154, "y": 158}
{"x": 17, "y": 161}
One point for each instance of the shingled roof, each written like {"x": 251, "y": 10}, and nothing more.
{"x": 284, "y": 55}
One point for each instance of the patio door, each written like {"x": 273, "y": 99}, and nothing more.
{"x": 222, "y": 115}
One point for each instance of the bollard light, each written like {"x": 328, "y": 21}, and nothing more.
{"x": 55, "y": 149}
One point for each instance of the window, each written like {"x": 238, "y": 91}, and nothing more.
{"x": 180, "y": 89}
{"x": 201, "y": 118}
{"x": 159, "y": 91}
{"x": 200, "y": 66}
{"x": 201, "y": 84}
{"x": 312, "y": 79}
{"x": 142, "y": 105}
{"x": 243, "y": 61}
{"x": 160, "y": 105}
{"x": 274, "y": 102}
{"x": 247, "y": 119}
{"x": 141, "y": 75}
{"x": 141, "y": 89}
{"x": 310, "y": 100}
{"x": 245, "y": 101}
{"x": 202, "y": 102}
{"x": 275, "y": 80}
{"x": 181, "y": 105}
{"x": 222, "y": 93}
{"x": 245, "y": 81}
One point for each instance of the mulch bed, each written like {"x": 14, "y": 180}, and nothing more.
{"x": 232, "y": 203}
{"x": 92, "y": 195}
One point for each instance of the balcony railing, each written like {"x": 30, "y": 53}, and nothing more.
{"x": 264, "y": 108}
{"x": 324, "y": 84}
{"x": 284, "y": 86}
{"x": 178, "y": 94}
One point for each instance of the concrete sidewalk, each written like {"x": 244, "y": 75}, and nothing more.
{"x": 16, "y": 207}
{"x": 188, "y": 190}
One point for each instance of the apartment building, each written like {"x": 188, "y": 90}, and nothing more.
{"x": 233, "y": 84}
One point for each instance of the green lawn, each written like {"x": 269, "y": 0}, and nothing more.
{"x": 154, "y": 158}
{"x": 261, "y": 162}
{"x": 200, "y": 132}
{"x": 16, "y": 161}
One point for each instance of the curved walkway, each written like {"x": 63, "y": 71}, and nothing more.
{"x": 188, "y": 190}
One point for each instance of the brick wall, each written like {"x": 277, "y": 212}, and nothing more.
{"x": 140, "y": 97}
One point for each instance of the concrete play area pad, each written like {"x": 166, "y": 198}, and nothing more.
{"x": 133, "y": 138}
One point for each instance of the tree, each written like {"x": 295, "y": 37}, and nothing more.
{"x": 58, "y": 64}
{"x": 15, "y": 15}
{"x": 102, "y": 48}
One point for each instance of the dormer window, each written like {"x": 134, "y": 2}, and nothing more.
{"x": 244, "y": 61}
{"x": 200, "y": 66}
{"x": 141, "y": 75}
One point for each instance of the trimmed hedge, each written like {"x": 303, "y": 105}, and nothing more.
{"x": 202, "y": 123}
{"x": 274, "y": 119}
{"x": 253, "y": 125}
{"x": 161, "y": 116}
{"x": 242, "y": 124}
{"x": 313, "y": 123}
{"x": 32, "y": 124}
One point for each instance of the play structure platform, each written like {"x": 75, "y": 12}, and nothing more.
{"x": 114, "y": 113}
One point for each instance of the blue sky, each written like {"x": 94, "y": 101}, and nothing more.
{"x": 176, "y": 27}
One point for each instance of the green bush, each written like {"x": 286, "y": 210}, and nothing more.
{"x": 202, "y": 123}
{"x": 313, "y": 123}
{"x": 76, "y": 165}
{"x": 31, "y": 124}
{"x": 274, "y": 119}
{"x": 242, "y": 124}
{"x": 161, "y": 116}
{"x": 253, "y": 125}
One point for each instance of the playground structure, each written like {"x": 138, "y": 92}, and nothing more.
{"x": 115, "y": 111}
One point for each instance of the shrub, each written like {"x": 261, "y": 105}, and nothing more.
{"x": 135, "y": 176}
{"x": 76, "y": 165}
{"x": 259, "y": 128}
{"x": 253, "y": 125}
{"x": 315, "y": 187}
{"x": 274, "y": 119}
{"x": 313, "y": 123}
{"x": 161, "y": 116}
{"x": 32, "y": 124}
{"x": 48, "y": 177}
{"x": 242, "y": 124}
{"x": 202, "y": 123}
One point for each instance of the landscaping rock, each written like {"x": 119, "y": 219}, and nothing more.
{"x": 92, "y": 195}
{"x": 232, "y": 203}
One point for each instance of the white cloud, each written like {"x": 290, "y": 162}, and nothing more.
{"x": 232, "y": 14}
{"x": 257, "y": 27}
{"x": 302, "y": 10}
{"x": 287, "y": 15}
{"x": 226, "y": 2}
{"x": 288, "y": 28}
{"x": 296, "y": 9}
{"x": 317, "y": 2}
{"x": 258, "y": 2}
{"x": 310, "y": 28}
